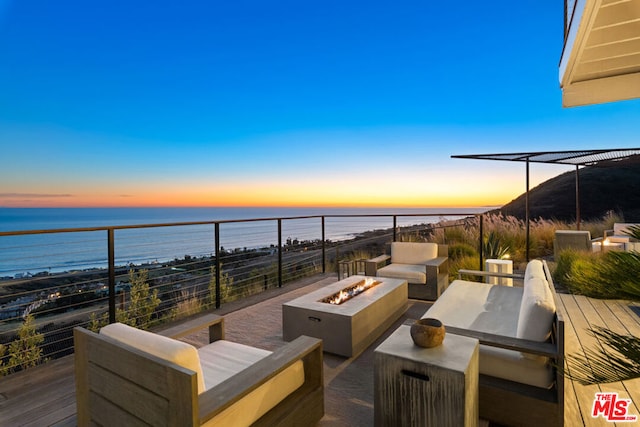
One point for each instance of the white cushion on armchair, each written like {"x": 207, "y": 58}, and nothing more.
{"x": 178, "y": 352}
{"x": 413, "y": 253}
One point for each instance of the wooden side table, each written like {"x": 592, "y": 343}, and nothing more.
{"x": 415, "y": 386}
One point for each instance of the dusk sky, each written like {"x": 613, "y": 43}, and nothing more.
{"x": 283, "y": 103}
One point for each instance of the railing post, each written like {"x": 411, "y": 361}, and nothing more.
{"x": 112, "y": 275}
{"x": 481, "y": 250}
{"x": 395, "y": 225}
{"x": 279, "y": 252}
{"x": 218, "y": 263}
{"x": 324, "y": 249}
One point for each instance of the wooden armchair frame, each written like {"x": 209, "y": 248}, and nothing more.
{"x": 437, "y": 270}
{"x": 120, "y": 385}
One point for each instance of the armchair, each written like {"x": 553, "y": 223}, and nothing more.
{"x": 126, "y": 376}
{"x": 425, "y": 266}
{"x": 571, "y": 239}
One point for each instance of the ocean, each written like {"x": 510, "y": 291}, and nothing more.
{"x": 69, "y": 251}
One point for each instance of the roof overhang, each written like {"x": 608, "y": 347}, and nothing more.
{"x": 601, "y": 55}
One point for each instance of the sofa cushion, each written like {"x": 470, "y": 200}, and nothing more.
{"x": 534, "y": 269}
{"x": 536, "y": 310}
{"x": 174, "y": 351}
{"x": 223, "y": 359}
{"x": 479, "y": 306}
{"x": 515, "y": 366}
{"x": 413, "y": 252}
{"x": 258, "y": 402}
{"x": 412, "y": 273}
{"x": 492, "y": 309}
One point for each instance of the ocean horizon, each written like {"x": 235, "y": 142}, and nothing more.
{"x": 59, "y": 252}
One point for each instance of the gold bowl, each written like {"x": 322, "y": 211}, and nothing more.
{"x": 427, "y": 332}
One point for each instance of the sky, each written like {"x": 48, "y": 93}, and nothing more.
{"x": 284, "y": 103}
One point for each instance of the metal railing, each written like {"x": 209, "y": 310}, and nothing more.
{"x": 151, "y": 273}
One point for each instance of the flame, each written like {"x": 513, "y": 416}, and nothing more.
{"x": 350, "y": 292}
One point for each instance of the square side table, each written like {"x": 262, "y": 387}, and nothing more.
{"x": 415, "y": 386}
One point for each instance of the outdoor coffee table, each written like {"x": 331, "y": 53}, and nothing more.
{"x": 349, "y": 328}
{"x": 426, "y": 386}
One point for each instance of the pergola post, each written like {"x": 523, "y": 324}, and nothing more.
{"x": 578, "y": 220}
{"x": 526, "y": 208}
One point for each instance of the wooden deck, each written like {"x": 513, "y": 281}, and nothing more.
{"x": 583, "y": 313}
{"x": 44, "y": 395}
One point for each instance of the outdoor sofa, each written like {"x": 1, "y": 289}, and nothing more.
{"x": 521, "y": 334}
{"x": 127, "y": 376}
{"x": 425, "y": 267}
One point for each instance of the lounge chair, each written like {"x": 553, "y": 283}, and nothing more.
{"x": 578, "y": 240}
{"x": 126, "y": 376}
{"x": 425, "y": 266}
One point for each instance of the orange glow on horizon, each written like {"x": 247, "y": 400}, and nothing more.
{"x": 373, "y": 191}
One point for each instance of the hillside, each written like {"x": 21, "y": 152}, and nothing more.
{"x": 602, "y": 189}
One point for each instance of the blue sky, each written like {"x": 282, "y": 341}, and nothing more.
{"x": 286, "y": 103}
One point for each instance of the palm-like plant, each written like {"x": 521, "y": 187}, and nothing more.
{"x": 619, "y": 269}
{"x": 599, "y": 366}
{"x": 633, "y": 231}
{"x": 493, "y": 248}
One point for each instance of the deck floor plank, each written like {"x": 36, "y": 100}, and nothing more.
{"x": 572, "y": 409}
{"x": 628, "y": 389}
{"x": 574, "y": 342}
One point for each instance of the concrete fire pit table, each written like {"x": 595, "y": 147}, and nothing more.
{"x": 348, "y": 328}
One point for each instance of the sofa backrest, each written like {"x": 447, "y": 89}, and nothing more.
{"x": 413, "y": 252}
{"x": 537, "y": 308}
{"x": 178, "y": 352}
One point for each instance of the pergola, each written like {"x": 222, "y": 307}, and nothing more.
{"x": 577, "y": 158}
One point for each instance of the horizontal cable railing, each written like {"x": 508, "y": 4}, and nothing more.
{"x": 54, "y": 280}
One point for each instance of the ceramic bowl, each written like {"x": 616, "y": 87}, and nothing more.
{"x": 427, "y": 332}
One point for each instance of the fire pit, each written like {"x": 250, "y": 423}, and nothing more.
{"x": 349, "y": 327}
{"x": 351, "y": 291}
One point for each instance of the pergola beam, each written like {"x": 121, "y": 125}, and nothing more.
{"x": 578, "y": 158}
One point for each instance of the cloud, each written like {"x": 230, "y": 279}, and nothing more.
{"x": 32, "y": 195}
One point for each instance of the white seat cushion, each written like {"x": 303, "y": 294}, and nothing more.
{"x": 479, "y": 307}
{"x": 515, "y": 366}
{"x": 174, "y": 351}
{"x": 492, "y": 309}
{"x": 410, "y": 272}
{"x": 223, "y": 359}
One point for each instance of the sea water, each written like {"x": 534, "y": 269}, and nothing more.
{"x": 79, "y": 250}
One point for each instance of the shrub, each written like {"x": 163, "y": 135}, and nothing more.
{"x": 462, "y": 263}
{"x": 461, "y": 250}
{"x": 3, "y": 369}
{"x": 25, "y": 352}
{"x": 140, "y": 308}
{"x": 609, "y": 275}
{"x": 189, "y": 304}
{"x": 143, "y": 302}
